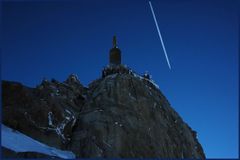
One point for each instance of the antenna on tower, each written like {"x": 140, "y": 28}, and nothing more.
{"x": 115, "y": 53}
{"x": 114, "y": 42}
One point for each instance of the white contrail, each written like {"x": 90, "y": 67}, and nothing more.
{"x": 159, "y": 33}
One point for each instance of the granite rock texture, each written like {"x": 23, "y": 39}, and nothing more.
{"x": 120, "y": 115}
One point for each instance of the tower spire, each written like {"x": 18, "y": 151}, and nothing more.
{"x": 114, "y": 42}
{"x": 115, "y": 53}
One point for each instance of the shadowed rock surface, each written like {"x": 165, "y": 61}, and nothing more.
{"x": 121, "y": 114}
{"x": 11, "y": 154}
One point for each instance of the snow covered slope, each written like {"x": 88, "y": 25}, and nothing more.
{"x": 18, "y": 142}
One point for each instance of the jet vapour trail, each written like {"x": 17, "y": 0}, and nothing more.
{"x": 159, "y": 33}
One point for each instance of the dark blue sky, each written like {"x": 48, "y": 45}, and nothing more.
{"x": 53, "y": 39}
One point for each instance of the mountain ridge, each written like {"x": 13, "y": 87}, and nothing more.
{"x": 120, "y": 114}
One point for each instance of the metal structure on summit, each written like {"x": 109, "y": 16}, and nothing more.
{"x": 114, "y": 42}
{"x": 115, "y": 54}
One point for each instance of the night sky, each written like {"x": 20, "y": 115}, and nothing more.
{"x": 53, "y": 39}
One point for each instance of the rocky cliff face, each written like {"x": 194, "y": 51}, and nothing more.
{"x": 119, "y": 115}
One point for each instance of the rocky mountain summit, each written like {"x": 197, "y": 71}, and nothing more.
{"x": 121, "y": 114}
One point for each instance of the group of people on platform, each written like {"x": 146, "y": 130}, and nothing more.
{"x": 113, "y": 70}
{"x": 122, "y": 70}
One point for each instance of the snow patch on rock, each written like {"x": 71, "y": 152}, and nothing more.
{"x": 18, "y": 142}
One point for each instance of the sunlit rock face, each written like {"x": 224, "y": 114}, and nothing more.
{"x": 121, "y": 114}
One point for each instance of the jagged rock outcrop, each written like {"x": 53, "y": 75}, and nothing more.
{"x": 46, "y": 112}
{"x": 121, "y": 114}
